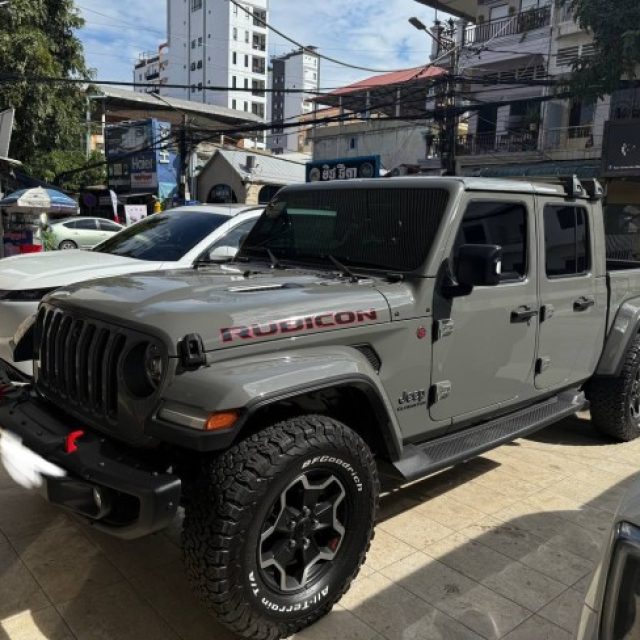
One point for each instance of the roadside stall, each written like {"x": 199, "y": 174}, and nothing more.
{"x": 25, "y": 216}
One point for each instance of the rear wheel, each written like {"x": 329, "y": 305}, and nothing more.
{"x": 615, "y": 402}
{"x": 277, "y": 527}
{"x": 67, "y": 244}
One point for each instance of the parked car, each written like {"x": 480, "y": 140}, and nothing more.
{"x": 81, "y": 232}
{"x": 611, "y": 610}
{"x": 174, "y": 239}
{"x": 411, "y": 322}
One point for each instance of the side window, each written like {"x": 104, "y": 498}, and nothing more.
{"x": 499, "y": 223}
{"x": 86, "y": 224}
{"x": 105, "y": 225}
{"x": 70, "y": 225}
{"x": 566, "y": 239}
{"x": 234, "y": 236}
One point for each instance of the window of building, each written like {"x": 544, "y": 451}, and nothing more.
{"x": 235, "y": 33}
{"x": 235, "y": 9}
{"x": 234, "y": 104}
{"x": 499, "y": 12}
{"x": 193, "y": 66}
{"x": 259, "y": 42}
{"x": 199, "y": 65}
{"x": 259, "y": 18}
{"x": 246, "y": 36}
{"x": 193, "y": 44}
{"x": 247, "y": 13}
{"x": 258, "y": 87}
{"x": 259, "y": 65}
{"x": 501, "y": 223}
{"x": 246, "y": 61}
{"x": 200, "y": 41}
{"x": 196, "y": 5}
{"x": 353, "y": 143}
{"x": 234, "y": 58}
{"x": 234, "y": 82}
{"x": 566, "y": 238}
{"x": 582, "y": 113}
{"x": 257, "y": 109}
{"x": 246, "y": 107}
{"x": 199, "y": 86}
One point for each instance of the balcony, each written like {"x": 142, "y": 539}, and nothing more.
{"x": 491, "y": 143}
{"x": 510, "y": 26}
{"x": 574, "y": 142}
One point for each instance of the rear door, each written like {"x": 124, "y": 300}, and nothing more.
{"x": 86, "y": 233}
{"x": 572, "y": 295}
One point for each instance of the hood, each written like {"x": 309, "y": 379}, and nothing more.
{"x": 226, "y": 308}
{"x": 61, "y": 268}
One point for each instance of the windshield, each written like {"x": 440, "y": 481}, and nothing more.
{"x": 389, "y": 229}
{"x": 164, "y": 236}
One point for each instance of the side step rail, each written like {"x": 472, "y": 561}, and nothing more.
{"x": 420, "y": 460}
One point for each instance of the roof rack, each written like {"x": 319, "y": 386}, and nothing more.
{"x": 574, "y": 188}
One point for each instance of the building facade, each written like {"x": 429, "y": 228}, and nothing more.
{"x": 299, "y": 73}
{"x": 151, "y": 70}
{"x": 218, "y": 43}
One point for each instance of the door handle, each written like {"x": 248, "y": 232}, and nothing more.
{"x": 583, "y": 303}
{"x": 523, "y": 314}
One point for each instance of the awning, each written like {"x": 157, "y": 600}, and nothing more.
{"x": 583, "y": 170}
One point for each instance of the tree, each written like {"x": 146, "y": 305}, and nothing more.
{"x": 37, "y": 38}
{"x": 616, "y": 31}
{"x": 54, "y": 163}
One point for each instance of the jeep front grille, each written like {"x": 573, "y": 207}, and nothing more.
{"x": 79, "y": 360}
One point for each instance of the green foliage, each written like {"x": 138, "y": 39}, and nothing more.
{"x": 37, "y": 37}
{"x": 615, "y": 26}
{"x": 48, "y": 165}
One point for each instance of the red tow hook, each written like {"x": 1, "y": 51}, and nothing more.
{"x": 70, "y": 445}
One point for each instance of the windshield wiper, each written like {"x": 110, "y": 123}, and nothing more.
{"x": 275, "y": 263}
{"x": 344, "y": 269}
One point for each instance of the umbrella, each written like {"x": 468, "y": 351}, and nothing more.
{"x": 37, "y": 198}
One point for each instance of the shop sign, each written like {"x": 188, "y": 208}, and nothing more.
{"x": 343, "y": 169}
{"x": 621, "y": 148}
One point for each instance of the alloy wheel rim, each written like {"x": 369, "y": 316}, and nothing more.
{"x": 303, "y": 532}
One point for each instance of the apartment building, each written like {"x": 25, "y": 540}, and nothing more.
{"x": 219, "y": 43}
{"x": 294, "y": 79}
{"x": 151, "y": 70}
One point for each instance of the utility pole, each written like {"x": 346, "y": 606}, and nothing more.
{"x": 184, "y": 152}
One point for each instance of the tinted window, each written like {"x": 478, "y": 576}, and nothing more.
{"x": 566, "y": 237}
{"x": 84, "y": 224}
{"x": 383, "y": 228}
{"x": 500, "y": 223}
{"x": 105, "y": 225}
{"x": 163, "y": 236}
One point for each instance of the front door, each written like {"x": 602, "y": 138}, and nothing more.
{"x": 484, "y": 349}
{"x": 572, "y": 296}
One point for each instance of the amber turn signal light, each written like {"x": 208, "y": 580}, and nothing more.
{"x": 221, "y": 421}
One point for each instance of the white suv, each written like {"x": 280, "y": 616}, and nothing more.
{"x": 174, "y": 239}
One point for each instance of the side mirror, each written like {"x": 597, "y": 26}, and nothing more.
{"x": 222, "y": 254}
{"x": 478, "y": 265}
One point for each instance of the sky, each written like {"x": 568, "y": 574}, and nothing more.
{"x": 369, "y": 33}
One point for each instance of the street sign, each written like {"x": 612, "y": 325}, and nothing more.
{"x": 343, "y": 169}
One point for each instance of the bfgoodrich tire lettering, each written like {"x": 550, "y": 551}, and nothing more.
{"x": 304, "y": 490}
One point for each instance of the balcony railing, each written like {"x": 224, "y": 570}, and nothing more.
{"x": 571, "y": 138}
{"x": 512, "y": 25}
{"x": 489, "y": 143}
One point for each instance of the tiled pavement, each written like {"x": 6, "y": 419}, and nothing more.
{"x": 501, "y": 547}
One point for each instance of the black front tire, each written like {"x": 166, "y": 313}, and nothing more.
{"x": 239, "y": 498}
{"x": 615, "y": 402}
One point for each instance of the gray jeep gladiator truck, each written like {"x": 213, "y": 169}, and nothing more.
{"x": 411, "y": 322}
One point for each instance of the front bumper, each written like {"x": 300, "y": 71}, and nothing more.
{"x": 117, "y": 492}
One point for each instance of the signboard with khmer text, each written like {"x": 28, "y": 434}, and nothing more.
{"x": 343, "y": 169}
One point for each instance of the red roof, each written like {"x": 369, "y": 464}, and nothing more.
{"x": 386, "y": 79}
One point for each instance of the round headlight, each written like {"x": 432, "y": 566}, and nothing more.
{"x": 144, "y": 368}
{"x": 154, "y": 364}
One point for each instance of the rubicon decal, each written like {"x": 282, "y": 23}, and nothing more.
{"x": 295, "y": 325}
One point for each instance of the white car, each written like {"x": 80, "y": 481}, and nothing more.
{"x": 173, "y": 239}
